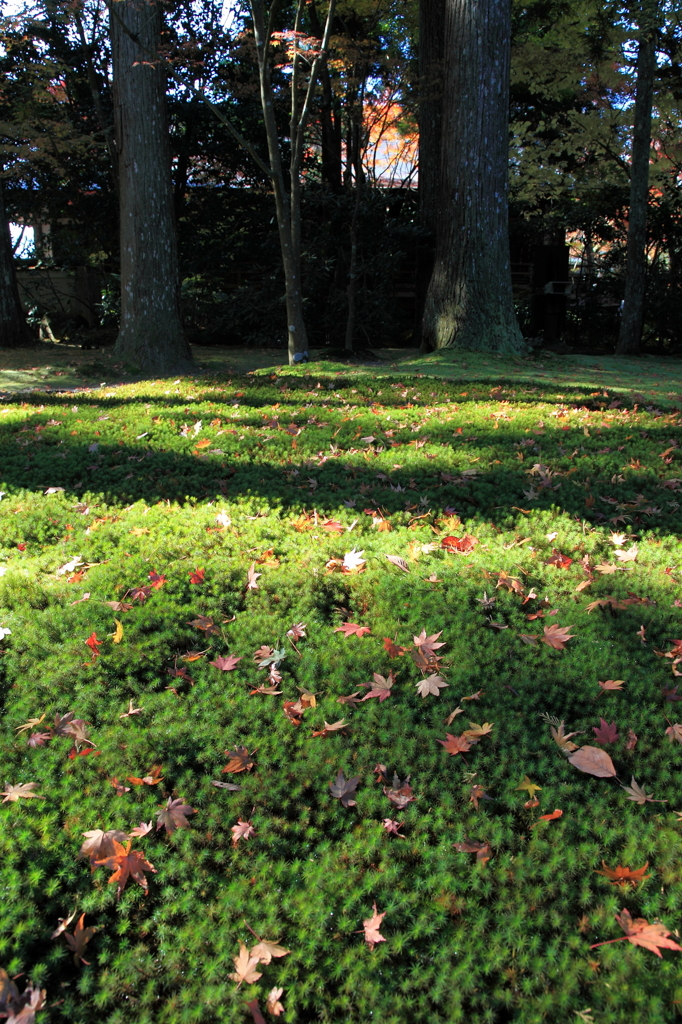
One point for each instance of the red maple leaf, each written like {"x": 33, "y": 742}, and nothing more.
{"x": 94, "y": 644}
{"x": 227, "y": 664}
{"x": 604, "y": 732}
{"x": 352, "y": 629}
{"x": 460, "y": 545}
{"x": 197, "y": 576}
{"x": 393, "y": 650}
{"x": 156, "y": 580}
{"x": 561, "y": 561}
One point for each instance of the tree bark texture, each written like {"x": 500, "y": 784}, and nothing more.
{"x": 431, "y": 26}
{"x": 632, "y": 319}
{"x": 14, "y": 331}
{"x": 151, "y": 334}
{"x": 469, "y": 302}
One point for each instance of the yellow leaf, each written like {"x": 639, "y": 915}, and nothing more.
{"x": 118, "y": 635}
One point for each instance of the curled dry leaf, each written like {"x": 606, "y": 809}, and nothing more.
{"x": 399, "y": 562}
{"x": 400, "y": 793}
{"x": 549, "y": 817}
{"x": 482, "y": 850}
{"x": 153, "y": 777}
{"x": 334, "y": 727}
{"x": 621, "y": 876}
{"x": 674, "y": 732}
{"x": 593, "y": 761}
{"x": 393, "y": 827}
{"x": 79, "y": 940}
{"x": 273, "y": 1004}
{"x": 371, "y": 928}
{"x": 563, "y": 738}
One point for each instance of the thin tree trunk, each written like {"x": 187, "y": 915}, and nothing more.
{"x": 469, "y": 302}
{"x": 151, "y": 334}
{"x": 14, "y": 331}
{"x": 431, "y": 26}
{"x": 288, "y": 204}
{"x": 632, "y": 319}
{"x": 329, "y": 124}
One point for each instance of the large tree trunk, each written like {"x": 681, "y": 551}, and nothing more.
{"x": 14, "y": 331}
{"x": 469, "y": 302}
{"x": 635, "y": 267}
{"x": 151, "y": 334}
{"x": 431, "y": 25}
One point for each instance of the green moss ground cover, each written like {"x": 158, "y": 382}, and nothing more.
{"x": 284, "y": 476}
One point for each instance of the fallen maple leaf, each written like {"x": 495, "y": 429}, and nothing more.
{"x": 197, "y": 576}
{"x": 482, "y": 850}
{"x": 265, "y": 950}
{"x": 627, "y": 556}
{"x": 557, "y": 636}
{"x": 79, "y": 940}
{"x": 605, "y": 732}
{"x": 457, "y": 744}
{"x": 611, "y": 684}
{"x": 453, "y": 715}
{"x": 157, "y": 580}
{"x": 143, "y": 829}
{"x": 392, "y": 649}
{"x": 132, "y": 710}
{"x": 529, "y": 787}
{"x": 631, "y": 740}
{"x": 562, "y": 738}
{"x": 371, "y": 928}
{"x": 392, "y": 827}
{"x": 639, "y": 794}
{"x": 674, "y": 732}
{"x": 297, "y": 631}
{"x": 433, "y": 684}
{"x": 24, "y": 791}
{"x": 399, "y": 562}
{"x": 351, "y": 698}
{"x": 153, "y": 778}
{"x": 593, "y": 761}
{"x": 226, "y": 664}
{"x": 242, "y": 830}
{"x": 173, "y": 815}
{"x": 477, "y": 793}
{"x": 273, "y": 1004}
{"x": 117, "y": 635}
{"x": 352, "y": 629}
{"x": 400, "y": 793}
{"x": 381, "y": 687}
{"x": 353, "y": 561}
{"x": 240, "y": 760}
{"x": 245, "y": 966}
{"x": 99, "y": 844}
{"x": 459, "y": 545}
{"x": 343, "y": 789}
{"x": 475, "y": 731}
{"x": 621, "y": 876}
{"x": 252, "y": 578}
{"x": 31, "y": 724}
{"x": 126, "y": 863}
{"x": 334, "y": 727}
{"x": 119, "y": 787}
{"x": 94, "y": 644}
{"x": 548, "y": 817}
{"x": 64, "y": 923}
{"x": 427, "y": 644}
{"x": 640, "y": 933}
{"x": 561, "y": 561}
{"x": 205, "y": 624}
